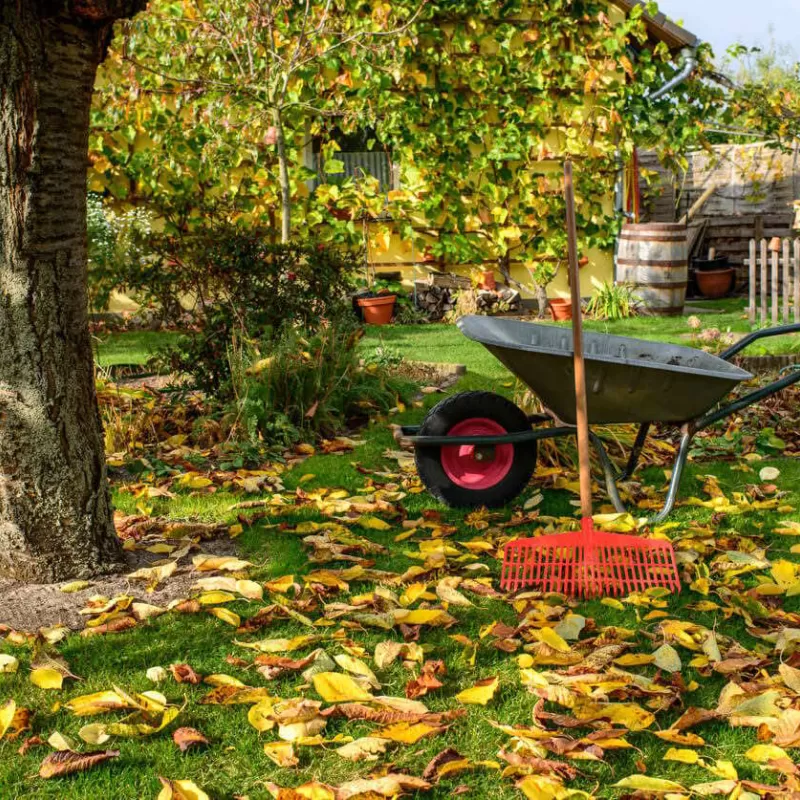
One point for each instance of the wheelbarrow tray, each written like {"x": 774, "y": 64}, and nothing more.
{"x": 628, "y": 380}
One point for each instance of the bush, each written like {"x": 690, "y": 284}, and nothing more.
{"x": 311, "y": 384}
{"x": 117, "y": 246}
{"x": 243, "y": 291}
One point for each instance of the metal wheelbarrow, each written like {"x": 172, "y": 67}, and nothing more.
{"x": 479, "y": 449}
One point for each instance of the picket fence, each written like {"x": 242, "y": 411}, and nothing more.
{"x": 774, "y": 276}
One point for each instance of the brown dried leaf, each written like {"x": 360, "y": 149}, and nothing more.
{"x": 65, "y": 762}
{"x": 183, "y": 673}
{"x": 186, "y": 738}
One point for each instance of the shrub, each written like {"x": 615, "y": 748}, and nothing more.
{"x": 117, "y": 246}
{"x": 613, "y": 301}
{"x": 243, "y": 289}
{"x": 311, "y": 383}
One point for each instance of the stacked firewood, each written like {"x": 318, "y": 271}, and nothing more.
{"x": 435, "y": 301}
{"x": 500, "y": 300}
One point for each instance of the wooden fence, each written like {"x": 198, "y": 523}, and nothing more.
{"x": 774, "y": 276}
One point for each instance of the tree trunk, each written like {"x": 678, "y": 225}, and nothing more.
{"x": 56, "y": 520}
{"x": 283, "y": 177}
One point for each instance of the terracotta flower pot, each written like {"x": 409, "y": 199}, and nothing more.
{"x": 715, "y": 283}
{"x": 487, "y": 280}
{"x": 378, "y": 310}
{"x": 560, "y": 309}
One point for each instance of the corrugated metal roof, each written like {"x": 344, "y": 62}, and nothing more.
{"x": 661, "y": 28}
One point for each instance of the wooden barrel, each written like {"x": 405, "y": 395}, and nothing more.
{"x": 653, "y": 258}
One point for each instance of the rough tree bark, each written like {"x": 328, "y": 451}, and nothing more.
{"x": 55, "y": 512}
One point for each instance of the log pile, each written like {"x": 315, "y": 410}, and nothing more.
{"x": 501, "y": 300}
{"x": 437, "y": 301}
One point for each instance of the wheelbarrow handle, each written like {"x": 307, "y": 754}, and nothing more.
{"x": 782, "y": 330}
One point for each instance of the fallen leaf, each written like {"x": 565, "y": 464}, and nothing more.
{"x": 46, "y": 678}
{"x": 481, "y": 693}
{"x": 65, "y": 762}
{"x": 335, "y": 687}
{"x": 187, "y": 738}
{"x": 181, "y": 790}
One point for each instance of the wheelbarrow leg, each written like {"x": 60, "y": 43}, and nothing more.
{"x": 636, "y": 452}
{"x": 609, "y": 472}
{"x": 687, "y": 434}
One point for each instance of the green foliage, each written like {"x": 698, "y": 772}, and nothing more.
{"x": 116, "y": 247}
{"x": 613, "y": 301}
{"x": 244, "y": 289}
{"x": 311, "y": 383}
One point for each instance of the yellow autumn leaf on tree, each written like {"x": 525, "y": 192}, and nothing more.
{"x": 335, "y": 687}
{"x": 479, "y": 694}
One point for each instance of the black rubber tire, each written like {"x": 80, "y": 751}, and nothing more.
{"x": 444, "y": 416}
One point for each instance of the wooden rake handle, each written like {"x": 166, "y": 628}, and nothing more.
{"x": 581, "y": 410}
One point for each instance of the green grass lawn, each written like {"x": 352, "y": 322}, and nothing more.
{"x": 132, "y": 348}
{"x": 235, "y": 764}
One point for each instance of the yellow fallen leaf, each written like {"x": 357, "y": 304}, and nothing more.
{"x": 181, "y": 790}
{"x": 47, "y": 678}
{"x": 226, "y": 616}
{"x": 357, "y": 667}
{"x": 552, "y": 639}
{"x": 634, "y": 660}
{"x": 260, "y": 715}
{"x": 223, "y": 680}
{"x": 94, "y": 733}
{"x": 479, "y": 694}
{"x": 373, "y": 523}
{"x": 281, "y": 753}
{"x": 764, "y": 753}
{"x": 645, "y": 783}
{"x": 367, "y": 748}
{"x": 8, "y": 664}
{"x": 682, "y": 755}
{"x": 7, "y": 712}
{"x": 335, "y": 687}
{"x": 667, "y": 658}
{"x": 215, "y": 597}
{"x": 423, "y": 616}
{"x": 74, "y": 586}
{"x": 408, "y": 733}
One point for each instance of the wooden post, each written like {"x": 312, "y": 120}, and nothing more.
{"x": 787, "y": 281}
{"x": 764, "y": 282}
{"x": 775, "y": 284}
{"x": 751, "y": 308}
{"x": 797, "y": 280}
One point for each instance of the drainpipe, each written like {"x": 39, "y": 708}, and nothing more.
{"x": 689, "y": 58}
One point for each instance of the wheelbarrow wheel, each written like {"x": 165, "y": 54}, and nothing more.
{"x": 465, "y": 476}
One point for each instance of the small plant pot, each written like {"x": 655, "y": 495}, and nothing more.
{"x": 711, "y": 264}
{"x": 378, "y": 310}
{"x": 560, "y": 309}
{"x": 488, "y": 281}
{"x": 715, "y": 283}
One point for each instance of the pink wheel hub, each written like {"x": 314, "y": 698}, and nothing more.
{"x": 477, "y": 468}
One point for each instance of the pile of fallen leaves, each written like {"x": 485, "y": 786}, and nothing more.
{"x": 597, "y": 688}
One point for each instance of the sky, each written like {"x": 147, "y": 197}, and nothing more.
{"x": 727, "y": 22}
